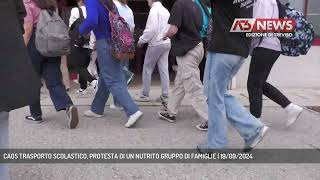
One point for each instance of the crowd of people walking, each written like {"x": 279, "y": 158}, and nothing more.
{"x": 196, "y": 32}
{"x": 207, "y": 62}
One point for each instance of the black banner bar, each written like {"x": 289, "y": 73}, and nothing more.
{"x": 158, "y": 156}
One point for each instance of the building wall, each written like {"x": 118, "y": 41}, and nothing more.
{"x": 290, "y": 72}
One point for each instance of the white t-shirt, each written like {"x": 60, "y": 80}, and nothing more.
{"x": 74, "y": 16}
{"x": 125, "y": 12}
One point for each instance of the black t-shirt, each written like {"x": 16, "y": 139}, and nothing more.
{"x": 222, "y": 40}
{"x": 187, "y": 16}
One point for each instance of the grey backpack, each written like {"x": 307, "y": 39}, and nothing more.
{"x": 52, "y": 37}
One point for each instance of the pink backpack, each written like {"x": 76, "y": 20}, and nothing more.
{"x": 123, "y": 44}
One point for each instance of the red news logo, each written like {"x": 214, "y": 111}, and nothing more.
{"x": 242, "y": 25}
{"x": 263, "y": 25}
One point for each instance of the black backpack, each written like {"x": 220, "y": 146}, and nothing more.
{"x": 76, "y": 38}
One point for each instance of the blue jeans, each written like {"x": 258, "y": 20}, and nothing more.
{"x": 49, "y": 69}
{"x": 127, "y": 74}
{"x": 112, "y": 80}
{"x": 220, "y": 69}
{"x": 4, "y": 138}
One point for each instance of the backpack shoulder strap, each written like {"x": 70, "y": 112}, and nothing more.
{"x": 80, "y": 13}
{"x": 204, "y": 8}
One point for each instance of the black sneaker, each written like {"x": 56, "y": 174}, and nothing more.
{"x": 203, "y": 126}
{"x": 130, "y": 78}
{"x": 72, "y": 117}
{"x": 166, "y": 116}
{"x": 33, "y": 119}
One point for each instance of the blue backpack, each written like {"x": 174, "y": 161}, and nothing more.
{"x": 303, "y": 35}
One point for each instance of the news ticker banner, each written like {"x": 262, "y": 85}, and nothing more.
{"x": 158, "y": 156}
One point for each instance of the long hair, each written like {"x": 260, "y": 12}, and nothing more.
{"x": 109, "y": 3}
{"x": 49, "y": 5}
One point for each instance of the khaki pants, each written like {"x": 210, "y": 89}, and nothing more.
{"x": 188, "y": 82}
{"x": 65, "y": 72}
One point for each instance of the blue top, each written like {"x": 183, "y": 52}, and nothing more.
{"x": 205, "y": 19}
{"x": 97, "y": 20}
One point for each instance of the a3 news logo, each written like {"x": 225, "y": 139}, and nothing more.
{"x": 263, "y": 27}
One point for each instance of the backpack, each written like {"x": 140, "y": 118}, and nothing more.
{"x": 207, "y": 30}
{"x": 76, "y": 38}
{"x": 52, "y": 39}
{"x": 122, "y": 40}
{"x": 303, "y": 35}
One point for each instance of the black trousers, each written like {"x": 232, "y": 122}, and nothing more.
{"x": 79, "y": 59}
{"x": 202, "y": 65}
{"x": 261, "y": 64}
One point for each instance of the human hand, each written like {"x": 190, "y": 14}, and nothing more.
{"x": 139, "y": 45}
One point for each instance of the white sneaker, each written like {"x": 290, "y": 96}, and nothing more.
{"x": 142, "y": 98}
{"x": 294, "y": 112}
{"x": 133, "y": 119}
{"x": 81, "y": 91}
{"x": 260, "y": 137}
{"x": 94, "y": 85}
{"x": 114, "y": 107}
{"x": 89, "y": 113}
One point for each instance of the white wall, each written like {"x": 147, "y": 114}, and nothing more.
{"x": 289, "y": 72}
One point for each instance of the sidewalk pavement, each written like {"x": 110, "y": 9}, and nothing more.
{"x": 150, "y": 132}
{"x": 303, "y": 97}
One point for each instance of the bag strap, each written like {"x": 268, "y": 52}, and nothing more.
{"x": 205, "y": 8}
{"x": 80, "y": 13}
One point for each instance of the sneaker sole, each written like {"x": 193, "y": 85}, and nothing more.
{"x": 92, "y": 115}
{"x": 200, "y": 129}
{"x": 289, "y": 125}
{"x": 132, "y": 123}
{"x": 142, "y": 100}
{"x": 166, "y": 119}
{"x": 74, "y": 120}
{"x": 116, "y": 108}
{"x": 33, "y": 122}
{"x": 260, "y": 137}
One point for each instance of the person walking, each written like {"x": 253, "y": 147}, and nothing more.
{"x": 206, "y": 14}
{"x": 65, "y": 15}
{"x": 111, "y": 70}
{"x": 47, "y": 67}
{"x": 206, "y": 10}
{"x": 265, "y": 53}
{"x": 157, "y": 52}
{"x": 16, "y": 70}
{"x": 126, "y": 13}
{"x": 80, "y": 57}
{"x": 186, "y": 23}
{"x": 227, "y": 52}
